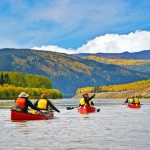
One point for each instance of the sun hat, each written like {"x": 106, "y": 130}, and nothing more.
{"x": 23, "y": 94}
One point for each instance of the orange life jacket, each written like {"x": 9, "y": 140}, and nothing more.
{"x": 21, "y": 102}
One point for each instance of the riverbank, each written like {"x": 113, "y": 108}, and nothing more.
{"x": 117, "y": 95}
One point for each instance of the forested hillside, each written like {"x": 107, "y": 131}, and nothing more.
{"x": 66, "y": 72}
{"x": 144, "y": 84}
{"x": 12, "y": 83}
{"x": 140, "y": 88}
{"x": 25, "y": 80}
{"x": 132, "y": 64}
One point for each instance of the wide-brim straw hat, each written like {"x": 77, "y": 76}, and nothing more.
{"x": 23, "y": 94}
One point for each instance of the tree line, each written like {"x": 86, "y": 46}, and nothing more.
{"x": 144, "y": 84}
{"x": 11, "y": 92}
{"x": 25, "y": 80}
{"x": 4, "y": 78}
{"x": 12, "y": 83}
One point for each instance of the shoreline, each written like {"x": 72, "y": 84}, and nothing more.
{"x": 117, "y": 95}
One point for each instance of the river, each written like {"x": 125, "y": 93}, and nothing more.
{"x": 115, "y": 127}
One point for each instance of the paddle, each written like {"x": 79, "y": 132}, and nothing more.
{"x": 98, "y": 110}
{"x": 43, "y": 115}
{"x": 71, "y": 107}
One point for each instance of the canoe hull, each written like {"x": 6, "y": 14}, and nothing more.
{"x": 134, "y": 106}
{"x": 17, "y": 115}
{"x": 86, "y": 109}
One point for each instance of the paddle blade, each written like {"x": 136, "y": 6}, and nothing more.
{"x": 69, "y": 108}
{"x": 98, "y": 110}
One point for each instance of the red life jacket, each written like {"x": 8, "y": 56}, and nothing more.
{"x": 21, "y": 102}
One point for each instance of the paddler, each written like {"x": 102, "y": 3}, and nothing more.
{"x": 22, "y": 103}
{"x": 44, "y": 104}
{"x": 136, "y": 100}
{"x": 129, "y": 100}
{"x": 86, "y": 100}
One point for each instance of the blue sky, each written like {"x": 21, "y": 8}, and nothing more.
{"x": 68, "y": 23}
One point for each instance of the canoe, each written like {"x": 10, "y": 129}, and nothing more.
{"x": 18, "y": 115}
{"x": 86, "y": 109}
{"x": 134, "y": 105}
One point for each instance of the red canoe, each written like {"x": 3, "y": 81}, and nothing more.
{"x": 86, "y": 109}
{"x": 17, "y": 115}
{"x": 134, "y": 105}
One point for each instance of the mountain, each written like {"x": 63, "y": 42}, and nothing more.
{"x": 132, "y": 64}
{"x": 66, "y": 72}
{"x": 136, "y": 55}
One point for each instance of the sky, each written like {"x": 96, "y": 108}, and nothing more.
{"x": 75, "y": 26}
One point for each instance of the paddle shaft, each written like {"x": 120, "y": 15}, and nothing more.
{"x": 71, "y": 107}
{"x": 43, "y": 115}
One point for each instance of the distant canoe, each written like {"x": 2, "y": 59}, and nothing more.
{"x": 17, "y": 115}
{"x": 86, "y": 109}
{"x": 134, "y": 105}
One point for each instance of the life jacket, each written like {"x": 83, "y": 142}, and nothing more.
{"x": 130, "y": 100}
{"x": 42, "y": 104}
{"x": 136, "y": 100}
{"x": 82, "y": 102}
{"x": 21, "y": 101}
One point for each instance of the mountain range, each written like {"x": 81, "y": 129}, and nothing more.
{"x": 145, "y": 54}
{"x": 69, "y": 72}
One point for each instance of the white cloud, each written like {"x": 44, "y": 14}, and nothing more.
{"x": 115, "y": 43}
{"x": 110, "y": 43}
{"x": 54, "y": 49}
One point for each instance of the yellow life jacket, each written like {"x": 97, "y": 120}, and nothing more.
{"x": 136, "y": 100}
{"x": 42, "y": 104}
{"x": 130, "y": 100}
{"x": 82, "y": 101}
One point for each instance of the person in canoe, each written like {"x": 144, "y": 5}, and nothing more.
{"x": 129, "y": 100}
{"x": 22, "y": 103}
{"x": 44, "y": 104}
{"x": 136, "y": 100}
{"x": 86, "y": 100}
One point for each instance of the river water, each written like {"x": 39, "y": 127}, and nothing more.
{"x": 115, "y": 127}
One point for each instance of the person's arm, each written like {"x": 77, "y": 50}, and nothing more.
{"x": 32, "y": 106}
{"x": 90, "y": 100}
{"x": 91, "y": 97}
{"x": 92, "y": 103}
{"x": 36, "y": 103}
{"x": 52, "y": 106}
{"x": 126, "y": 101}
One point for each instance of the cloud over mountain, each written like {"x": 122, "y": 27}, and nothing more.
{"x": 109, "y": 43}
{"x": 54, "y": 48}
